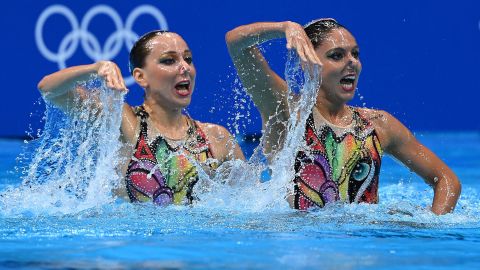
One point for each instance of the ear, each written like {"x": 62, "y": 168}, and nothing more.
{"x": 140, "y": 77}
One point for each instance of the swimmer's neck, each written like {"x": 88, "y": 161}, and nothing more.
{"x": 335, "y": 113}
{"x": 165, "y": 119}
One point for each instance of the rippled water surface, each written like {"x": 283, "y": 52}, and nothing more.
{"x": 398, "y": 233}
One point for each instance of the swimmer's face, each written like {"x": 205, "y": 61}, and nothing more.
{"x": 339, "y": 54}
{"x": 168, "y": 75}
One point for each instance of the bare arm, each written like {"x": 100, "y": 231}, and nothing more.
{"x": 224, "y": 146}
{"x": 61, "y": 87}
{"x": 398, "y": 141}
{"x": 268, "y": 89}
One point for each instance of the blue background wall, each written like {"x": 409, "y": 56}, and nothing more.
{"x": 421, "y": 59}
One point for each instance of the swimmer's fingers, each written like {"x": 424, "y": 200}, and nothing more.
{"x": 112, "y": 75}
{"x": 301, "y": 55}
{"x": 115, "y": 77}
{"x": 307, "y": 59}
{"x": 307, "y": 65}
{"x": 312, "y": 55}
{"x": 121, "y": 81}
{"x": 308, "y": 50}
{"x": 289, "y": 42}
{"x": 105, "y": 70}
{"x": 301, "y": 51}
{"x": 293, "y": 31}
{"x": 313, "y": 60}
{"x": 297, "y": 39}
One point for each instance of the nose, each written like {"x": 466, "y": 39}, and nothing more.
{"x": 184, "y": 67}
{"x": 353, "y": 61}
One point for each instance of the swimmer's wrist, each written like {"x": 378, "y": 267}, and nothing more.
{"x": 86, "y": 71}
{"x": 95, "y": 67}
{"x": 286, "y": 25}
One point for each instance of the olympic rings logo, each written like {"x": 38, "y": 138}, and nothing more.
{"x": 80, "y": 34}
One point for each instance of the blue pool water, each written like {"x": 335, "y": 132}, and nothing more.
{"x": 398, "y": 233}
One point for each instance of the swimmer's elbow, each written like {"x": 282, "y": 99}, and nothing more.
{"x": 230, "y": 36}
{"x": 41, "y": 86}
{"x": 234, "y": 38}
{"x": 456, "y": 186}
{"x": 453, "y": 183}
{"x": 230, "y": 39}
{"x": 49, "y": 89}
{"x": 44, "y": 86}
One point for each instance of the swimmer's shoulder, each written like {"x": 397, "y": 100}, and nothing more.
{"x": 387, "y": 127}
{"x": 130, "y": 124}
{"x": 374, "y": 116}
{"x": 222, "y": 143}
{"x": 214, "y": 132}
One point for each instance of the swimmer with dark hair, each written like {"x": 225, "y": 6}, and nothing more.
{"x": 163, "y": 146}
{"x": 344, "y": 144}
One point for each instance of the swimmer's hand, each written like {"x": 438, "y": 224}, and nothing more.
{"x": 298, "y": 40}
{"x": 112, "y": 75}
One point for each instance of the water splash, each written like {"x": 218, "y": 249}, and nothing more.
{"x": 72, "y": 165}
{"x": 73, "y": 171}
{"x": 238, "y": 185}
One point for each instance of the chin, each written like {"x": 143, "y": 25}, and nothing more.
{"x": 184, "y": 103}
{"x": 346, "y": 97}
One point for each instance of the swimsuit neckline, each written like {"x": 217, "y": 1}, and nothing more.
{"x": 317, "y": 114}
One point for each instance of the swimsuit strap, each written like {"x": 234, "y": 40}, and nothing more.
{"x": 196, "y": 141}
{"x": 357, "y": 117}
{"x": 362, "y": 125}
{"x": 140, "y": 112}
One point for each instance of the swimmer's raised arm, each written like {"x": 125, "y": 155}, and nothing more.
{"x": 398, "y": 141}
{"x": 60, "y": 87}
{"x": 267, "y": 89}
{"x": 257, "y": 77}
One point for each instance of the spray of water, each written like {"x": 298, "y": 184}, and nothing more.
{"x": 73, "y": 168}
{"x": 73, "y": 165}
{"x": 237, "y": 185}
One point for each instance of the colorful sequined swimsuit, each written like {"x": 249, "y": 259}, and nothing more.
{"x": 337, "y": 167}
{"x": 163, "y": 173}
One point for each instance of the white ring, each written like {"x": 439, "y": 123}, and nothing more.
{"x": 90, "y": 44}
{"x": 63, "y": 10}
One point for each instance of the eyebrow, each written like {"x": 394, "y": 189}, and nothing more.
{"x": 343, "y": 49}
{"x": 174, "y": 52}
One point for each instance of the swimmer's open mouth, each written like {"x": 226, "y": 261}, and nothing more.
{"x": 348, "y": 82}
{"x": 184, "y": 85}
{"x": 349, "y": 79}
{"x": 183, "y": 88}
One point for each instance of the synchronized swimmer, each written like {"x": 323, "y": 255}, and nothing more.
{"x": 344, "y": 144}
{"x": 159, "y": 141}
